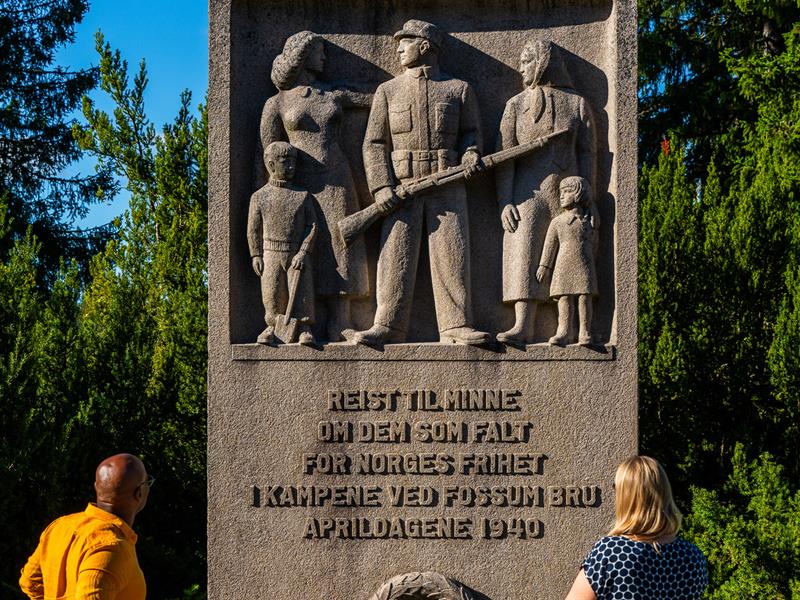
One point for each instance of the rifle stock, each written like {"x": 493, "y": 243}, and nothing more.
{"x": 353, "y": 225}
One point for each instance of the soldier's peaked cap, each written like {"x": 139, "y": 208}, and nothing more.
{"x": 421, "y": 29}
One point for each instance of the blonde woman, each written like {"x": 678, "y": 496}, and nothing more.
{"x": 642, "y": 557}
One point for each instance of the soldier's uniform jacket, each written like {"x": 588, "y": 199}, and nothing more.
{"x": 421, "y": 122}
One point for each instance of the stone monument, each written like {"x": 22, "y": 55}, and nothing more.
{"x": 431, "y": 207}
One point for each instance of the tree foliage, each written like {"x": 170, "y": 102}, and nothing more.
{"x": 37, "y": 100}
{"x": 686, "y": 88}
{"x": 144, "y": 312}
{"x": 720, "y": 320}
{"x": 117, "y": 363}
{"x": 749, "y": 530}
{"x": 720, "y": 310}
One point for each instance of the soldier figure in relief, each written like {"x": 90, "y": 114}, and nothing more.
{"x": 281, "y": 227}
{"x": 569, "y": 255}
{"x": 528, "y": 189}
{"x": 422, "y": 122}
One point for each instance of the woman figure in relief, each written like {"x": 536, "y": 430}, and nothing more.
{"x": 528, "y": 188}
{"x": 307, "y": 113}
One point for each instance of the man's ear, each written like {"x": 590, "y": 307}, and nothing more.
{"x": 424, "y": 47}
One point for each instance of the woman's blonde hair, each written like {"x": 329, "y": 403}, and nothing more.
{"x": 645, "y": 508}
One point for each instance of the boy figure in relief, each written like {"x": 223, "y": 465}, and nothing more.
{"x": 569, "y": 255}
{"x": 281, "y": 227}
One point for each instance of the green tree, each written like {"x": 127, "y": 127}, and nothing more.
{"x": 749, "y": 530}
{"x": 719, "y": 304}
{"x": 115, "y": 362}
{"x": 672, "y": 288}
{"x": 37, "y": 99}
{"x": 40, "y": 378}
{"x": 765, "y": 231}
{"x": 143, "y": 320}
{"x": 686, "y": 89}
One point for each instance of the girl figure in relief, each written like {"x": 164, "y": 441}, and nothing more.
{"x": 307, "y": 113}
{"x": 569, "y": 255}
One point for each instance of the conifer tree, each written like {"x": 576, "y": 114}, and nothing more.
{"x": 37, "y": 100}
{"x": 719, "y": 299}
{"x": 686, "y": 89}
{"x": 143, "y": 319}
{"x": 117, "y": 361}
{"x": 749, "y": 529}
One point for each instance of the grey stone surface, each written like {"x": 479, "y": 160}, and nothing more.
{"x": 568, "y": 260}
{"x": 340, "y": 470}
{"x": 308, "y": 113}
{"x": 422, "y": 122}
{"x": 528, "y": 189}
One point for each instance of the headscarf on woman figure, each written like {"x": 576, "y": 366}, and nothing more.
{"x": 528, "y": 189}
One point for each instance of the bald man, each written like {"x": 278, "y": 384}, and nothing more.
{"x": 91, "y": 555}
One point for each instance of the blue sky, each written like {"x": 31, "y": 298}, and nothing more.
{"x": 172, "y": 37}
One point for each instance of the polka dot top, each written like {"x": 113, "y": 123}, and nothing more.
{"x": 620, "y": 569}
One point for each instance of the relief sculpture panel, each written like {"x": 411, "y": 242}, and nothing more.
{"x": 422, "y": 144}
{"x": 307, "y": 113}
{"x": 528, "y": 189}
{"x": 422, "y": 122}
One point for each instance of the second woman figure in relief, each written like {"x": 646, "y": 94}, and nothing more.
{"x": 307, "y": 113}
{"x": 528, "y": 189}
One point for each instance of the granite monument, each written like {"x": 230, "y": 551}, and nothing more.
{"x": 431, "y": 206}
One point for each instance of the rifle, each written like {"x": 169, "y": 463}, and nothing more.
{"x": 357, "y": 223}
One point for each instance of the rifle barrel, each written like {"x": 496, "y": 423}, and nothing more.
{"x": 353, "y": 225}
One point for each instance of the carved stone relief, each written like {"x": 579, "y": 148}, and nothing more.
{"x": 454, "y": 162}
{"x": 421, "y": 122}
{"x": 423, "y": 141}
{"x": 568, "y": 258}
{"x": 281, "y": 231}
{"x": 528, "y": 190}
{"x": 307, "y": 113}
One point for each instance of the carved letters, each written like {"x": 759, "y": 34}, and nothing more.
{"x": 424, "y": 431}
{"x": 422, "y": 141}
{"x": 522, "y": 485}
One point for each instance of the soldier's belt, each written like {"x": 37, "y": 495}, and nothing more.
{"x": 431, "y": 155}
{"x": 405, "y": 162}
{"x": 426, "y": 155}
